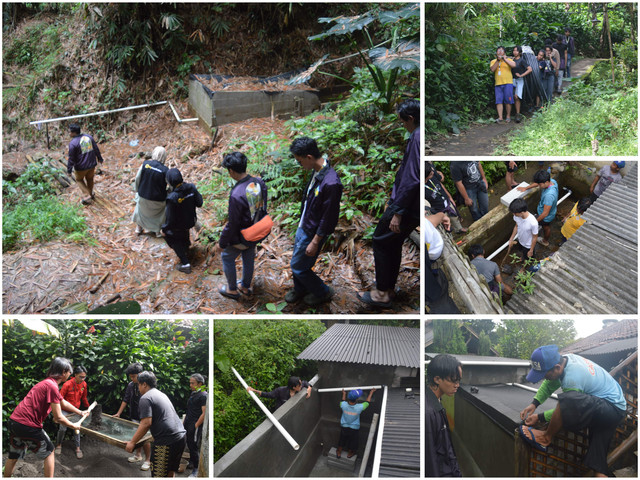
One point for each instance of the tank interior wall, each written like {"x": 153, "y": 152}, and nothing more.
{"x": 489, "y": 375}
{"x": 264, "y": 452}
{"x": 496, "y": 458}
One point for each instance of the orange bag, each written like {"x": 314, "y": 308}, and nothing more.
{"x": 258, "y": 231}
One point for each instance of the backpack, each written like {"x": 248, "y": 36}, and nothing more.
{"x": 262, "y": 222}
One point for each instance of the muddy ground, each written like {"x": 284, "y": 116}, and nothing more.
{"x": 483, "y": 139}
{"x": 46, "y": 278}
{"x": 100, "y": 460}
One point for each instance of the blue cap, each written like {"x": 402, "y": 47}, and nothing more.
{"x": 543, "y": 359}
{"x": 354, "y": 394}
{"x": 620, "y": 164}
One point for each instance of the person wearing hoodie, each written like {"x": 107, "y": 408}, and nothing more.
{"x": 180, "y": 216}
{"x": 151, "y": 193}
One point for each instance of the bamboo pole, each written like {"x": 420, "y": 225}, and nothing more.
{"x": 339, "y": 389}
{"x": 266, "y": 411}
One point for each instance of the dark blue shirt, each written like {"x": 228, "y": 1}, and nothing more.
{"x": 406, "y": 187}
{"x": 181, "y": 208}
{"x": 281, "y": 394}
{"x": 83, "y": 151}
{"x": 241, "y": 211}
{"x": 153, "y": 183}
{"x": 322, "y": 203}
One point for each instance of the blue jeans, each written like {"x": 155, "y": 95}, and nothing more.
{"x": 304, "y": 279}
{"x": 229, "y": 256}
{"x": 547, "y": 84}
{"x": 568, "y": 70}
{"x": 480, "y": 199}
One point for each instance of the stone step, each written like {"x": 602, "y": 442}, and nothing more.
{"x": 343, "y": 463}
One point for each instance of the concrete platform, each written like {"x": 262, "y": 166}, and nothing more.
{"x": 325, "y": 466}
{"x": 342, "y": 463}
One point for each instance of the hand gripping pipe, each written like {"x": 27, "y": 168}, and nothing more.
{"x": 269, "y": 415}
{"x": 376, "y": 458}
{"x": 346, "y": 389}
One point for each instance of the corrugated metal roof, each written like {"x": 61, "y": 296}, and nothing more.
{"x": 401, "y": 437}
{"x": 596, "y": 270}
{"x": 617, "y": 331}
{"x": 615, "y": 346}
{"x": 366, "y": 344}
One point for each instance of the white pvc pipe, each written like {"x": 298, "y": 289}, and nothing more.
{"x": 507, "y": 242}
{"x": 339, "y": 389}
{"x": 266, "y": 411}
{"x": 526, "y": 387}
{"x": 367, "y": 449}
{"x": 175, "y": 113}
{"x": 37, "y": 122}
{"x": 376, "y": 458}
{"x": 498, "y": 364}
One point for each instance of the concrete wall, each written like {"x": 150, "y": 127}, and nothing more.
{"x": 488, "y": 375}
{"x": 222, "y": 107}
{"x": 496, "y": 458}
{"x": 264, "y": 452}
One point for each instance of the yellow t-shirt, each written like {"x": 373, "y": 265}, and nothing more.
{"x": 502, "y": 74}
{"x": 573, "y": 223}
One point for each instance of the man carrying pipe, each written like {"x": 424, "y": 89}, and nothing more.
{"x": 282, "y": 394}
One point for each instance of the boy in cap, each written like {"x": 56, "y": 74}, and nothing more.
{"x": 591, "y": 398}
{"x": 606, "y": 176}
{"x": 350, "y": 420}
{"x": 180, "y": 216}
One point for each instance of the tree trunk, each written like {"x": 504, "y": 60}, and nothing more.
{"x": 606, "y": 27}
{"x": 203, "y": 466}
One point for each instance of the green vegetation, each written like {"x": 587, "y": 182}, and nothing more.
{"x": 105, "y": 348}
{"x": 494, "y": 172}
{"x": 592, "y": 110}
{"x": 460, "y": 41}
{"x": 264, "y": 352}
{"x": 32, "y": 211}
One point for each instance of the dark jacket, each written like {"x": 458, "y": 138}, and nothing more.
{"x": 281, "y": 394}
{"x": 406, "y": 187}
{"x": 83, "y": 151}
{"x": 240, "y": 215}
{"x": 323, "y": 203}
{"x": 440, "y": 457}
{"x": 153, "y": 182}
{"x": 181, "y": 208}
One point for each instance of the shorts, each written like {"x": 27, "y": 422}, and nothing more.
{"x": 518, "y": 87}
{"x": 166, "y": 458}
{"x": 511, "y": 170}
{"x": 546, "y": 223}
{"x": 523, "y": 251}
{"x": 24, "y": 437}
{"x": 580, "y": 410}
{"x": 504, "y": 93}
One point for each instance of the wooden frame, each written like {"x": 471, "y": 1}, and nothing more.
{"x": 106, "y": 438}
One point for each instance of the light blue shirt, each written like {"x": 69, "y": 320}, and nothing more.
{"x": 584, "y": 375}
{"x": 351, "y": 414}
{"x": 549, "y": 197}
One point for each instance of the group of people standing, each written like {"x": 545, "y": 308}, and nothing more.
{"x": 171, "y": 212}
{"x": 151, "y": 409}
{"x": 552, "y": 64}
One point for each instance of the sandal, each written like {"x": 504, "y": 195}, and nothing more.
{"x": 242, "y": 290}
{"x": 223, "y": 291}
{"x": 366, "y": 298}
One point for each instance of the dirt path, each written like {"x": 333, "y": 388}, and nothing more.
{"x": 100, "y": 460}
{"x": 483, "y": 139}
{"x": 45, "y": 278}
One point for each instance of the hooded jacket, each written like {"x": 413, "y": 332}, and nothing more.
{"x": 181, "y": 203}
{"x": 440, "y": 457}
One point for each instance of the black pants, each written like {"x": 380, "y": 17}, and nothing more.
{"x": 349, "y": 438}
{"x": 387, "y": 247}
{"x": 194, "y": 439}
{"x": 179, "y": 241}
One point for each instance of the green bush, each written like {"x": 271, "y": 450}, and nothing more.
{"x": 264, "y": 352}
{"x": 105, "y": 348}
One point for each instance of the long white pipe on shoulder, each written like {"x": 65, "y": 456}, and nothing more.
{"x": 266, "y": 411}
{"x": 378, "y": 455}
{"x": 339, "y": 389}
